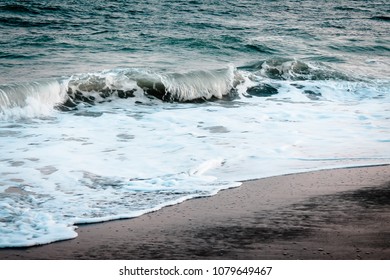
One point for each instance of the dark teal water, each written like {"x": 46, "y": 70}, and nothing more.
{"x": 41, "y": 39}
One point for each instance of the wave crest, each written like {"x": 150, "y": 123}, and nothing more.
{"x": 30, "y": 100}
{"x": 295, "y": 70}
{"x": 199, "y": 84}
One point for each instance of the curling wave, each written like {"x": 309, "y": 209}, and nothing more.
{"x": 31, "y": 100}
{"x": 188, "y": 87}
{"x": 260, "y": 79}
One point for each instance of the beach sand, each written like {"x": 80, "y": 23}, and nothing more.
{"x": 330, "y": 214}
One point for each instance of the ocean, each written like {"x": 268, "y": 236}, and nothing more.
{"x": 112, "y": 109}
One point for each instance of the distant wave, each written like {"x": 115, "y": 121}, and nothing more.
{"x": 31, "y": 8}
{"x": 381, "y": 18}
{"x": 280, "y": 68}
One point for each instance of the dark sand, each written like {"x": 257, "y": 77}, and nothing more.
{"x": 332, "y": 214}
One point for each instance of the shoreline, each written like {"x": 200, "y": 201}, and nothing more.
{"x": 328, "y": 214}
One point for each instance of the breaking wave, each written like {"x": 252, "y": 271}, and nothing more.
{"x": 261, "y": 79}
{"x": 31, "y": 100}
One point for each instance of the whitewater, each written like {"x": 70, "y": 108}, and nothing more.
{"x": 117, "y": 136}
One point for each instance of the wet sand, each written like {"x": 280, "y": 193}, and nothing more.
{"x": 331, "y": 214}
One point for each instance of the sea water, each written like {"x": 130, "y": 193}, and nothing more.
{"x": 111, "y": 109}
